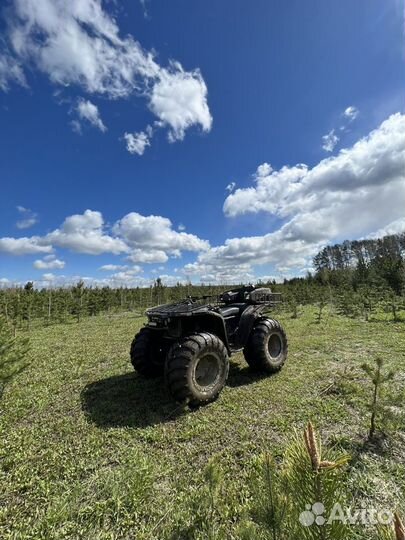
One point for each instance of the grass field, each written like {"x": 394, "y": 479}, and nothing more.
{"x": 90, "y": 450}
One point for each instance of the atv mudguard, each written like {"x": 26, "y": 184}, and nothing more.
{"x": 246, "y": 323}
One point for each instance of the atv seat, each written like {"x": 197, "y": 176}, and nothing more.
{"x": 232, "y": 310}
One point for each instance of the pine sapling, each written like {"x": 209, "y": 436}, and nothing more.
{"x": 281, "y": 495}
{"x": 12, "y": 355}
{"x": 378, "y": 379}
{"x": 321, "y": 306}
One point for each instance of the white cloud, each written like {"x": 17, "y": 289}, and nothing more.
{"x": 83, "y": 233}
{"x": 359, "y": 191}
{"x": 28, "y": 218}
{"x": 148, "y": 256}
{"x": 179, "y": 100}
{"x": 50, "y": 262}
{"x": 153, "y": 239}
{"x": 329, "y": 141}
{"x": 77, "y": 43}
{"x": 10, "y": 71}
{"x": 137, "y": 142}
{"x": 24, "y": 246}
{"x": 264, "y": 169}
{"x": 218, "y": 272}
{"x": 144, "y": 8}
{"x": 233, "y": 262}
{"x": 26, "y": 223}
{"x": 76, "y": 126}
{"x": 4, "y": 283}
{"x": 395, "y": 227}
{"x": 145, "y": 239}
{"x": 49, "y": 277}
{"x": 80, "y": 45}
{"x": 230, "y": 187}
{"x": 86, "y": 110}
{"x": 351, "y": 113}
{"x": 113, "y": 267}
{"x": 127, "y": 274}
{"x": 52, "y": 281}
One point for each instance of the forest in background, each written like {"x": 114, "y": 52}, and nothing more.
{"x": 359, "y": 277}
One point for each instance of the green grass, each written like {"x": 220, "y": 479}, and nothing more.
{"x": 90, "y": 450}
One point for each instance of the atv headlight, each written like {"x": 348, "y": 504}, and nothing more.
{"x": 157, "y": 321}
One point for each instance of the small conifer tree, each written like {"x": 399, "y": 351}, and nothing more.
{"x": 13, "y": 353}
{"x": 384, "y": 401}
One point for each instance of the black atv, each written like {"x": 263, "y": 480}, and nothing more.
{"x": 191, "y": 341}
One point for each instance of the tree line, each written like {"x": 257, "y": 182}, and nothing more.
{"x": 21, "y": 306}
{"x": 357, "y": 276}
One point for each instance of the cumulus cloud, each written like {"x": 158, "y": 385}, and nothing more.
{"x": 351, "y": 113}
{"x": 84, "y": 233}
{"x": 264, "y": 169}
{"x": 329, "y": 141}
{"x": 80, "y": 44}
{"x": 24, "y": 246}
{"x": 77, "y": 43}
{"x": 153, "y": 239}
{"x": 86, "y": 110}
{"x": 179, "y": 100}
{"x": 137, "y": 142}
{"x": 28, "y": 218}
{"x": 144, "y": 239}
{"x": 208, "y": 270}
{"x": 395, "y": 227}
{"x": 230, "y": 187}
{"x": 233, "y": 262}
{"x": 49, "y": 262}
{"x": 113, "y": 267}
{"x": 148, "y": 256}
{"x": 359, "y": 191}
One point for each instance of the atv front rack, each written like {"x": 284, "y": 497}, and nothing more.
{"x": 184, "y": 307}
{"x": 192, "y": 304}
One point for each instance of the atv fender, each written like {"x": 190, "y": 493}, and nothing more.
{"x": 246, "y": 323}
{"x": 214, "y": 323}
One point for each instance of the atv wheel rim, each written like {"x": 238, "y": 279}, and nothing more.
{"x": 206, "y": 372}
{"x": 275, "y": 345}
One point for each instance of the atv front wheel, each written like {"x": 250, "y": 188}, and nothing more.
{"x": 267, "y": 346}
{"x": 147, "y": 354}
{"x": 197, "y": 368}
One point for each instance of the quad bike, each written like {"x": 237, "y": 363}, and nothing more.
{"x": 190, "y": 342}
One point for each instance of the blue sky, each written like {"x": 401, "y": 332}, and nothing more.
{"x": 162, "y": 138}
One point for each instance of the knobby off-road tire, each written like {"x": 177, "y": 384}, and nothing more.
{"x": 197, "y": 369}
{"x": 267, "y": 346}
{"x": 147, "y": 355}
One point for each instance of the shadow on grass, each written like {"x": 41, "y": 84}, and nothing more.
{"x": 131, "y": 401}
{"x": 128, "y": 401}
{"x": 359, "y": 446}
{"x": 243, "y": 375}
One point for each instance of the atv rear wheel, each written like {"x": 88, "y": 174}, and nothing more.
{"x": 147, "y": 353}
{"x": 267, "y": 347}
{"x": 197, "y": 368}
